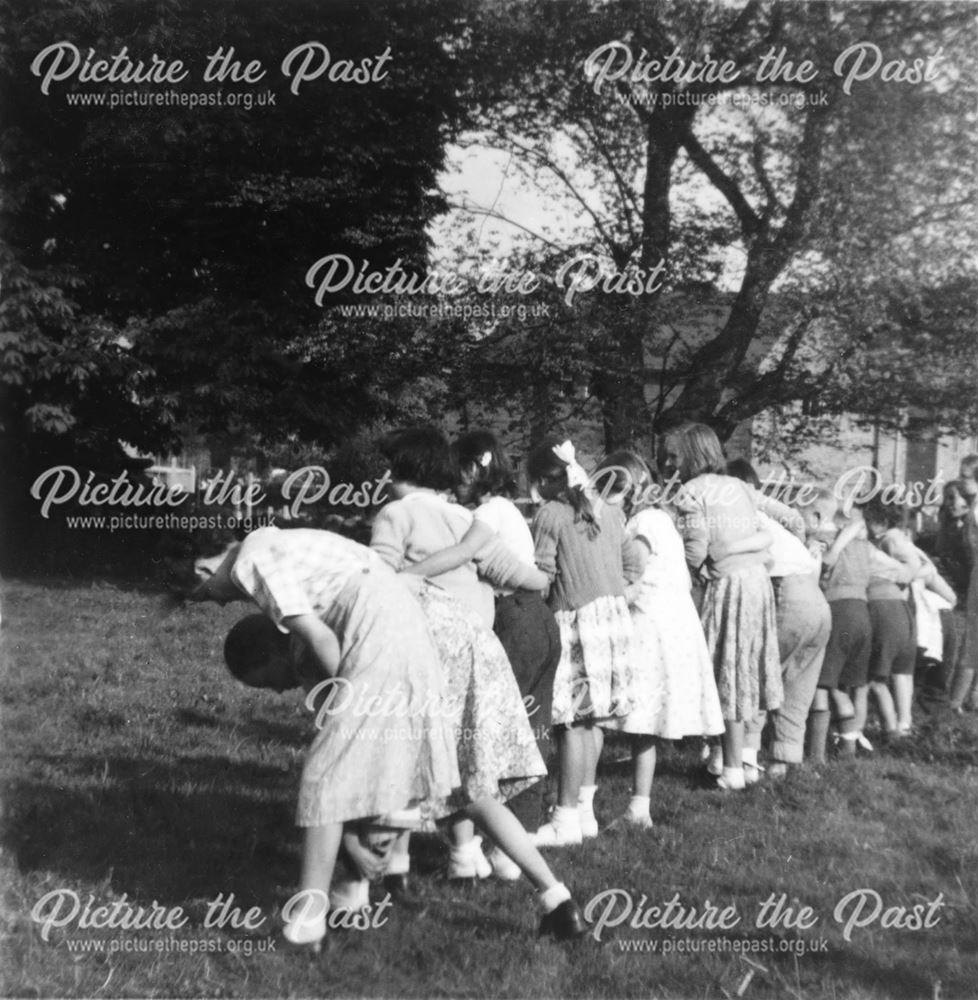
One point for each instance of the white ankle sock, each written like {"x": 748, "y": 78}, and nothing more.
{"x": 399, "y": 864}
{"x": 470, "y": 847}
{"x": 551, "y": 898}
{"x": 733, "y": 778}
{"x": 585, "y": 798}
{"x": 638, "y": 805}
{"x": 566, "y": 816}
{"x": 310, "y": 927}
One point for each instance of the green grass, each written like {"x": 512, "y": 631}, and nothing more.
{"x": 132, "y": 765}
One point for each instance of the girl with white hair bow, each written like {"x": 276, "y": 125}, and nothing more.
{"x": 582, "y": 547}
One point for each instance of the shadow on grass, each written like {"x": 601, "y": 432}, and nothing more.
{"x": 256, "y": 730}
{"x": 184, "y": 828}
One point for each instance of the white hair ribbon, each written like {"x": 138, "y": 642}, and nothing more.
{"x": 576, "y": 476}
{"x": 485, "y": 459}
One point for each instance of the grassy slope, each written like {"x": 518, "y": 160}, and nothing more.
{"x": 132, "y": 765}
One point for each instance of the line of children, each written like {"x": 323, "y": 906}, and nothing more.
{"x": 616, "y": 644}
{"x": 891, "y": 609}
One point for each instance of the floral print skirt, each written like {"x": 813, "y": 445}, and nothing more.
{"x": 594, "y": 676}
{"x": 739, "y": 621}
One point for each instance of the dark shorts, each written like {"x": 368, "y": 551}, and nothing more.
{"x": 846, "y": 663}
{"x": 894, "y": 648}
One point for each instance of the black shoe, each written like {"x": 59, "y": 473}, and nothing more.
{"x": 564, "y": 923}
{"x": 398, "y": 887}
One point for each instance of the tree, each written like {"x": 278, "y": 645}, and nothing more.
{"x": 154, "y": 256}
{"x": 806, "y": 180}
{"x": 174, "y": 241}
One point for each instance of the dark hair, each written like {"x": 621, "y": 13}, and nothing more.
{"x": 951, "y": 489}
{"x": 700, "y": 451}
{"x": 422, "y": 456}
{"x": 495, "y": 478}
{"x": 623, "y": 472}
{"x": 543, "y": 465}
{"x": 878, "y": 511}
{"x": 251, "y": 643}
{"x": 741, "y": 469}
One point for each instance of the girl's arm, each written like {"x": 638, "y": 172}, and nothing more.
{"x": 942, "y": 588}
{"x": 854, "y": 529}
{"x": 530, "y": 578}
{"x": 633, "y": 589}
{"x": 318, "y": 639}
{"x": 545, "y": 543}
{"x": 933, "y": 580}
{"x": 634, "y": 557}
{"x": 896, "y": 545}
{"x": 387, "y": 538}
{"x": 455, "y": 555}
{"x": 758, "y": 542}
{"x": 888, "y": 568}
{"x": 499, "y": 565}
{"x": 786, "y": 516}
{"x": 693, "y": 527}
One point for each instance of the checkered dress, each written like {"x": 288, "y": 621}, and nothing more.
{"x": 384, "y": 743}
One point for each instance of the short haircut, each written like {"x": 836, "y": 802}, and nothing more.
{"x": 251, "y": 644}
{"x": 953, "y": 490}
{"x": 969, "y": 467}
{"x": 421, "y": 456}
{"x": 878, "y": 511}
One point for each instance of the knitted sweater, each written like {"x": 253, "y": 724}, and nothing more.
{"x": 582, "y": 569}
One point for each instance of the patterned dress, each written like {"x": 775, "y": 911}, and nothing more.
{"x": 497, "y": 753}
{"x": 383, "y": 742}
{"x": 675, "y": 693}
{"x": 587, "y": 595}
{"x": 738, "y": 612}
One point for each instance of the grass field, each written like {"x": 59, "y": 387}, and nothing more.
{"x": 133, "y": 767}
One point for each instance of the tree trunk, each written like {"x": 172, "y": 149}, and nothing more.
{"x": 620, "y": 386}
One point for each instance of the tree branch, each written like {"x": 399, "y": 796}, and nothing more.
{"x": 757, "y": 158}
{"x": 492, "y": 214}
{"x": 547, "y": 163}
{"x": 750, "y": 222}
{"x": 626, "y": 192}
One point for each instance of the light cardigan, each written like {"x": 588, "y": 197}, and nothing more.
{"x": 409, "y": 530}
{"x": 717, "y": 508}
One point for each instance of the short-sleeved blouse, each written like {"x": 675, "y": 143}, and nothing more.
{"x": 505, "y": 519}
{"x": 298, "y": 571}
